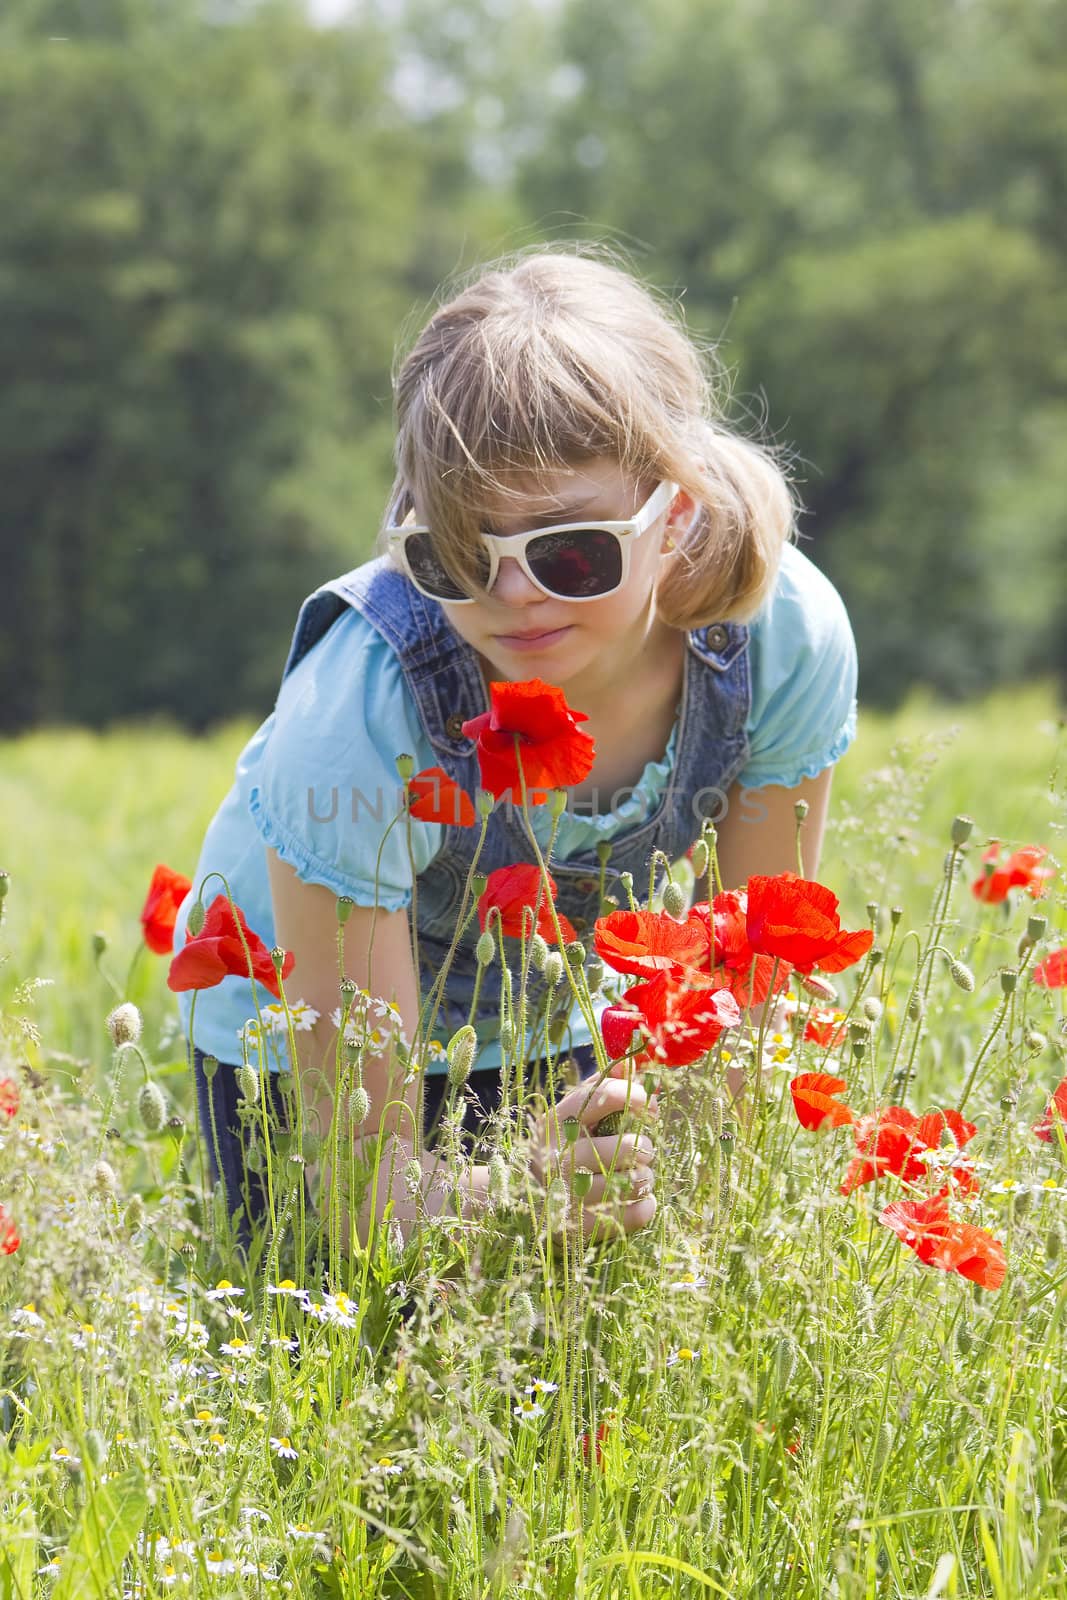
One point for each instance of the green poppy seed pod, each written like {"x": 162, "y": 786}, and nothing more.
{"x": 859, "y": 1033}
{"x": 5, "y": 880}
{"x": 124, "y": 1024}
{"x": 277, "y": 957}
{"x": 484, "y": 801}
{"x": 151, "y": 1106}
{"x": 603, "y": 852}
{"x": 254, "y": 1157}
{"x": 1036, "y": 928}
{"x": 916, "y": 1008}
{"x": 876, "y": 955}
{"x": 962, "y": 976}
{"x": 523, "y": 1316}
{"x": 727, "y": 1138}
{"x": 962, "y": 828}
{"x": 507, "y": 1037}
{"x": 413, "y": 1178}
{"x": 104, "y": 1179}
{"x": 557, "y": 802}
{"x": 873, "y": 909}
{"x": 611, "y": 1124}
{"x": 1033, "y": 1039}
{"x": 248, "y": 1084}
{"x": 594, "y": 974}
{"x": 571, "y": 1129}
{"x": 581, "y": 1183}
{"x": 964, "y": 1339}
{"x": 785, "y": 1361}
{"x": 575, "y": 954}
{"x": 538, "y": 952}
{"x": 461, "y": 1051}
{"x": 99, "y": 944}
{"x": 627, "y": 881}
{"x": 1008, "y": 980}
{"x": 872, "y": 1008}
{"x": 286, "y": 1084}
{"x": 699, "y": 859}
{"x": 800, "y": 810}
{"x": 553, "y": 969}
{"x": 557, "y": 1030}
{"x": 405, "y": 766}
{"x": 134, "y": 1215}
{"x": 1008, "y": 1102}
{"x": 499, "y": 1187}
{"x": 895, "y": 914}
{"x": 1054, "y": 1241}
{"x": 485, "y": 949}
{"x": 675, "y": 900}
{"x": 349, "y": 989}
{"x": 209, "y": 1066}
{"x": 345, "y": 904}
{"x": 194, "y": 922}
{"x": 358, "y": 1106}
{"x": 711, "y": 1520}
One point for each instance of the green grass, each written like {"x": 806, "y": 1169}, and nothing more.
{"x": 854, "y": 1423}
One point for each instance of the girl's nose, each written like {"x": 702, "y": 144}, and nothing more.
{"x": 511, "y": 586}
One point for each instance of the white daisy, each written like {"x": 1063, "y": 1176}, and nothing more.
{"x": 284, "y": 1447}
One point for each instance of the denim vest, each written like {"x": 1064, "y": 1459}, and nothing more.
{"x": 443, "y": 675}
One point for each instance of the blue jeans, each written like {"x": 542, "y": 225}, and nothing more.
{"x": 229, "y": 1164}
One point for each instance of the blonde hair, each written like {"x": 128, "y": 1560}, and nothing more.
{"x": 551, "y": 359}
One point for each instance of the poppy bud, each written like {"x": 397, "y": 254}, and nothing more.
{"x": 675, "y": 900}
{"x": 485, "y": 949}
{"x": 962, "y": 828}
{"x": 248, "y": 1083}
{"x": 461, "y": 1052}
{"x": 345, "y": 904}
{"x": 538, "y": 952}
{"x": 818, "y": 986}
{"x": 523, "y": 1316}
{"x": 506, "y": 1036}
{"x": 916, "y": 1008}
{"x": 553, "y": 969}
{"x": 358, "y": 1106}
{"x": 1021, "y": 1201}
{"x": 557, "y": 1030}
{"x": 603, "y": 852}
{"x": 784, "y": 1362}
{"x": 964, "y": 1339}
{"x": 581, "y": 1183}
{"x": 277, "y": 957}
{"x": 405, "y": 766}
{"x": 104, "y": 1179}
{"x": 962, "y": 976}
{"x": 99, "y": 944}
{"x": 801, "y": 809}
{"x": 124, "y": 1025}
{"x": 484, "y": 801}
{"x": 209, "y": 1066}
{"x": 151, "y": 1106}
{"x": 699, "y": 859}
{"x": 5, "y": 879}
{"x": 872, "y": 1008}
{"x": 194, "y": 922}
{"x": 594, "y": 974}
{"x": 310, "y": 1148}
{"x": 626, "y": 879}
{"x": 134, "y": 1215}
{"x": 1008, "y": 980}
{"x": 1034, "y": 1040}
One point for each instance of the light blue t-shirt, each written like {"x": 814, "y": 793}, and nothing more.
{"x": 317, "y": 782}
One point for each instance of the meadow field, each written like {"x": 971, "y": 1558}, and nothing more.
{"x": 767, "y": 1392}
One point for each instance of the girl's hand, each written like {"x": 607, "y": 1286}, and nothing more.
{"x": 615, "y": 1205}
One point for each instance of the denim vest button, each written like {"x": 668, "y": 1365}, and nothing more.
{"x": 454, "y": 726}
{"x": 718, "y": 638}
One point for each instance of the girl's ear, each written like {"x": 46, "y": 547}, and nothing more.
{"x": 681, "y": 519}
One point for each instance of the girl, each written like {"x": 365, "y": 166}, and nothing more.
{"x": 569, "y": 506}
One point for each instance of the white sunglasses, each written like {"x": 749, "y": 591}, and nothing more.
{"x": 570, "y": 561}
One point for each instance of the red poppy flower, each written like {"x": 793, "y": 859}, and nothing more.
{"x": 1022, "y": 870}
{"x": 926, "y": 1227}
{"x": 1052, "y": 972}
{"x": 796, "y": 920}
{"x": 435, "y": 797}
{"x": 682, "y": 1023}
{"x": 893, "y": 1141}
{"x": 552, "y": 748}
{"x": 165, "y": 894}
{"x": 9, "y": 1097}
{"x": 618, "y": 1025}
{"x": 216, "y": 952}
{"x": 725, "y": 923}
{"x": 646, "y": 942}
{"x": 601, "y": 1435}
{"x": 511, "y": 890}
{"x": 814, "y": 1103}
{"x": 9, "y": 1236}
{"x": 1055, "y": 1111}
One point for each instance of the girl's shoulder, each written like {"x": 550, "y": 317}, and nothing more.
{"x": 802, "y": 600}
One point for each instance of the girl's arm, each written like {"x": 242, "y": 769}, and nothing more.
{"x": 757, "y": 833}
{"x": 305, "y": 921}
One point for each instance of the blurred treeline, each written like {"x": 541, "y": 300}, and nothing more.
{"x": 218, "y": 221}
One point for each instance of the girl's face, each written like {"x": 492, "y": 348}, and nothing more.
{"x": 523, "y": 632}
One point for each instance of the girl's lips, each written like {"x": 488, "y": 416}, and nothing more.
{"x": 528, "y": 643}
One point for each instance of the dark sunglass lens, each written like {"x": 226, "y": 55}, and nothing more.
{"x": 428, "y": 571}
{"x": 576, "y": 565}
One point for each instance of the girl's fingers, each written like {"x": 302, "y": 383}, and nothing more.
{"x": 598, "y": 1226}
{"x": 613, "y": 1094}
